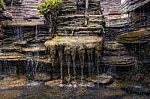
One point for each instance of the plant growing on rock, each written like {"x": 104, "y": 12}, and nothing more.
{"x": 50, "y": 7}
{"x": 2, "y": 5}
{"x": 50, "y": 10}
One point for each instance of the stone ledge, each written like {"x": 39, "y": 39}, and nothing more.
{"x": 81, "y": 28}
{"x": 17, "y": 24}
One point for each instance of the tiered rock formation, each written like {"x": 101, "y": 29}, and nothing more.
{"x": 80, "y": 17}
{"x": 25, "y": 48}
{"x": 4, "y": 15}
{"x": 115, "y": 57}
{"x": 79, "y": 44}
{"x": 137, "y": 37}
{"x": 112, "y": 13}
{"x": 138, "y": 11}
{"x": 23, "y": 44}
{"x": 25, "y": 11}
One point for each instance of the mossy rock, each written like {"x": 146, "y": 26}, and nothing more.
{"x": 131, "y": 37}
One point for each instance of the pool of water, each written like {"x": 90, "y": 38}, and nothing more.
{"x": 66, "y": 92}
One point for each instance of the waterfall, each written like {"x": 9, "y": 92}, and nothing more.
{"x": 97, "y": 58}
{"x": 67, "y": 52}
{"x": 82, "y": 59}
{"x": 19, "y": 33}
{"x": 61, "y": 59}
{"x": 86, "y": 6}
{"x": 73, "y": 55}
{"x": 30, "y": 65}
{"x": 12, "y": 1}
{"x": 89, "y": 63}
{"x": 36, "y": 32}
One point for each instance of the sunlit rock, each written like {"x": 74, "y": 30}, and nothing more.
{"x": 42, "y": 77}
{"x": 102, "y": 79}
{"x": 70, "y": 43}
{"x": 13, "y": 82}
{"x": 140, "y": 36}
{"x": 20, "y": 43}
{"x": 53, "y": 83}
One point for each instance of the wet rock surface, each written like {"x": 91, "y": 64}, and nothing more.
{"x": 115, "y": 54}
{"x": 13, "y": 82}
{"x": 102, "y": 79}
{"x": 140, "y": 37}
{"x": 69, "y": 47}
{"x": 77, "y": 19}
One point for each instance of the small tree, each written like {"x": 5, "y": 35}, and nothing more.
{"x": 2, "y": 5}
{"x": 50, "y": 10}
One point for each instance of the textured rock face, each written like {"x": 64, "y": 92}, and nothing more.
{"x": 116, "y": 55}
{"x": 25, "y": 10}
{"x": 68, "y": 48}
{"x": 111, "y": 12}
{"x": 138, "y": 12}
{"x": 137, "y": 39}
{"x": 80, "y": 17}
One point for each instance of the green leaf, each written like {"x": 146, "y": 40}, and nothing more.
{"x": 49, "y": 6}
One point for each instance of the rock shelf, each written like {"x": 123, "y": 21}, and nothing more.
{"x": 72, "y": 46}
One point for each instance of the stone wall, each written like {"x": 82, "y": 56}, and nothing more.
{"x": 80, "y": 17}
{"x": 25, "y": 10}
{"x": 111, "y": 12}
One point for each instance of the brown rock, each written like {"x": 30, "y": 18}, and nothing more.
{"x": 102, "y": 79}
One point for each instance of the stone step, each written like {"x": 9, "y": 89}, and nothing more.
{"x": 81, "y": 28}
{"x": 118, "y": 61}
{"x": 113, "y": 46}
{"x": 9, "y": 48}
{"x": 79, "y": 16}
{"x": 33, "y": 49}
{"x": 115, "y": 53}
{"x": 16, "y": 57}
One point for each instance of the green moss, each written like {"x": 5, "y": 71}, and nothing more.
{"x": 2, "y": 4}
{"x": 49, "y": 6}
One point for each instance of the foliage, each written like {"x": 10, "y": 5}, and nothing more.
{"x": 49, "y": 6}
{"x": 2, "y": 4}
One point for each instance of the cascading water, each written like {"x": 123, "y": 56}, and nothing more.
{"x": 33, "y": 57}
{"x": 68, "y": 61}
{"x": 89, "y": 55}
{"x": 82, "y": 62}
{"x": 73, "y": 55}
{"x": 61, "y": 54}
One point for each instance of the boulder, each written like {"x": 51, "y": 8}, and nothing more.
{"x": 13, "y": 82}
{"x": 102, "y": 79}
{"x": 42, "y": 77}
{"x": 53, "y": 83}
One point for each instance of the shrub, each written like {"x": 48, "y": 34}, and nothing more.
{"x": 2, "y": 4}
{"x": 49, "y": 7}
